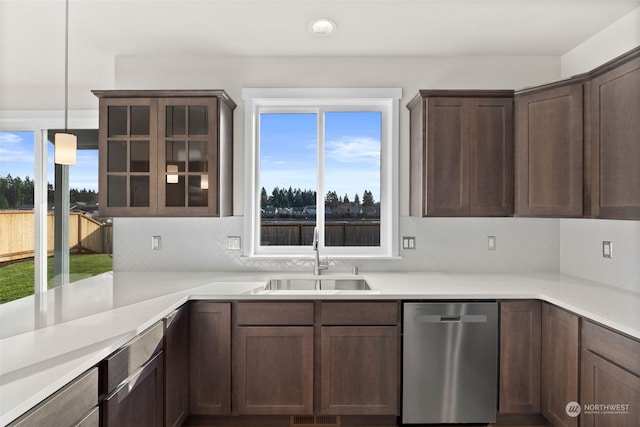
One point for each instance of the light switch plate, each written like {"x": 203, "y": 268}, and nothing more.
{"x": 607, "y": 249}
{"x": 491, "y": 243}
{"x": 156, "y": 243}
{"x": 233, "y": 243}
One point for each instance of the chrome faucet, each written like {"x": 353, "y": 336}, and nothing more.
{"x": 318, "y": 265}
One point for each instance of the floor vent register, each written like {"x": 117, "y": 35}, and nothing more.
{"x": 315, "y": 421}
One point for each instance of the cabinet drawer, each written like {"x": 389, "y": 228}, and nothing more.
{"x": 359, "y": 313}
{"x": 67, "y": 407}
{"x": 91, "y": 420}
{"x": 611, "y": 345}
{"x": 139, "y": 401}
{"x": 274, "y": 313}
{"x": 121, "y": 364}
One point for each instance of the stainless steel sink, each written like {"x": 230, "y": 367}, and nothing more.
{"x": 317, "y": 283}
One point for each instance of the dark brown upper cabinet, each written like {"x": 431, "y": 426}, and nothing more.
{"x": 613, "y": 138}
{"x": 461, "y": 153}
{"x": 549, "y": 150}
{"x": 165, "y": 153}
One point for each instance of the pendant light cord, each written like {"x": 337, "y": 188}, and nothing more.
{"x": 66, "y": 65}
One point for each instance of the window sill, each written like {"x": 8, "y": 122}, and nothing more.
{"x": 278, "y": 257}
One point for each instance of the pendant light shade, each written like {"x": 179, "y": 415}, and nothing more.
{"x": 66, "y": 145}
{"x": 172, "y": 174}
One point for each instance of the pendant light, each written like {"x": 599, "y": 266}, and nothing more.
{"x": 66, "y": 144}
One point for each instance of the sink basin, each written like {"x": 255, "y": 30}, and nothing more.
{"x": 317, "y": 283}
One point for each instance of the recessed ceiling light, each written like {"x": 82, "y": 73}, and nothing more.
{"x": 322, "y": 26}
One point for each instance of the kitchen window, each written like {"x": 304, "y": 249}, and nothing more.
{"x": 325, "y": 159}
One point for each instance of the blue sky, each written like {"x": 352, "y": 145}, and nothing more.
{"x": 17, "y": 159}
{"x": 352, "y": 152}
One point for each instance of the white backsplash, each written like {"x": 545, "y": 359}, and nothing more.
{"x": 581, "y": 251}
{"x": 442, "y": 244}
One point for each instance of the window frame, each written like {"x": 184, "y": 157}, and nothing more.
{"x": 39, "y": 122}
{"x": 321, "y": 100}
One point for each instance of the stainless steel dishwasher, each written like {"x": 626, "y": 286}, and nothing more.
{"x": 450, "y": 362}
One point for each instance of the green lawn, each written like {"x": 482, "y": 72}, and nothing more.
{"x": 16, "y": 280}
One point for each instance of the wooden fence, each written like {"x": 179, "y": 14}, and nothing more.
{"x": 17, "y": 235}
{"x": 338, "y": 233}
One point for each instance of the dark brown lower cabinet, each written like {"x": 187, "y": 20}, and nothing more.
{"x": 176, "y": 367}
{"x": 210, "y": 358}
{"x": 139, "y": 401}
{"x": 520, "y": 323}
{"x": 560, "y": 335}
{"x": 610, "y": 378}
{"x": 359, "y": 366}
{"x": 273, "y": 371}
{"x": 72, "y": 406}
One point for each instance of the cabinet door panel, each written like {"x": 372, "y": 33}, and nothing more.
{"x": 359, "y": 368}
{"x": 615, "y": 149}
{"x": 520, "y": 357}
{"x": 491, "y": 157}
{"x": 210, "y": 358}
{"x": 127, "y": 163}
{"x": 559, "y": 364}
{"x": 176, "y": 351}
{"x": 447, "y": 158}
{"x": 273, "y": 372}
{"x": 188, "y": 156}
{"x": 139, "y": 402}
{"x": 605, "y": 383}
{"x": 549, "y": 152}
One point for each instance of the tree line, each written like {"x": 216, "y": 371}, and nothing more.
{"x": 16, "y": 192}
{"x": 298, "y": 198}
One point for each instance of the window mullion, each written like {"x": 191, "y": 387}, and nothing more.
{"x": 320, "y": 217}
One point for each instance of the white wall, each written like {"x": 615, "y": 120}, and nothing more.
{"x": 618, "y": 38}
{"x": 581, "y": 251}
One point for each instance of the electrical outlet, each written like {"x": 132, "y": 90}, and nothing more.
{"x": 491, "y": 243}
{"x": 156, "y": 243}
{"x": 233, "y": 243}
{"x": 408, "y": 242}
{"x": 607, "y": 249}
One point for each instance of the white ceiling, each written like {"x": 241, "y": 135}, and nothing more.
{"x": 32, "y": 32}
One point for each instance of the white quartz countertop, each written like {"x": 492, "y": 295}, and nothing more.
{"x": 47, "y": 340}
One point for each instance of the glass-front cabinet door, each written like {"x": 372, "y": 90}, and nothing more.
{"x": 166, "y": 153}
{"x": 188, "y": 155}
{"x": 128, "y": 156}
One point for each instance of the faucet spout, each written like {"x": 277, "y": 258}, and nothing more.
{"x": 318, "y": 265}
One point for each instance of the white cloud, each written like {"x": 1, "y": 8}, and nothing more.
{"x": 10, "y": 138}
{"x": 354, "y": 149}
{"x": 16, "y": 155}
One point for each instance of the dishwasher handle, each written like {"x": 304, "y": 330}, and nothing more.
{"x": 449, "y": 318}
